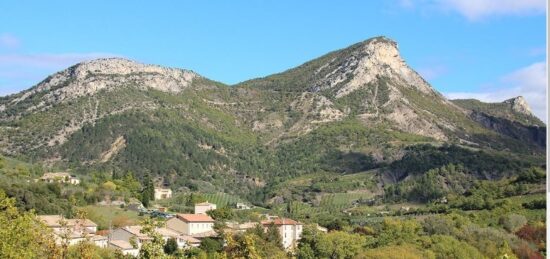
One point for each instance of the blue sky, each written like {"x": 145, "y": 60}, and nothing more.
{"x": 487, "y": 49}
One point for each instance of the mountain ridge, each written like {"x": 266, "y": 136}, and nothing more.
{"x": 354, "y": 109}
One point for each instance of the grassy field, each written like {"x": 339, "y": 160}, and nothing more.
{"x": 104, "y": 216}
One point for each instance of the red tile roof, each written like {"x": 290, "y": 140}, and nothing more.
{"x": 195, "y": 218}
{"x": 283, "y": 221}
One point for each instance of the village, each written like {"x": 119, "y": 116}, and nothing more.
{"x": 187, "y": 230}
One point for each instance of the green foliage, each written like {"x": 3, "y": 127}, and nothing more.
{"x": 512, "y": 222}
{"x": 448, "y": 247}
{"x": 154, "y": 248}
{"x": 21, "y": 234}
{"x": 394, "y": 232}
{"x": 532, "y": 175}
{"x": 338, "y": 244}
{"x": 171, "y": 246}
{"x": 211, "y": 245}
{"x": 223, "y": 213}
{"x": 405, "y": 251}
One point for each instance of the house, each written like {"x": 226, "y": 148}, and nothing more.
{"x": 242, "y": 206}
{"x": 73, "y": 231}
{"x": 183, "y": 241}
{"x": 203, "y": 207}
{"x": 125, "y": 247}
{"x": 130, "y": 234}
{"x": 161, "y": 193}
{"x": 133, "y": 236}
{"x": 195, "y": 225}
{"x": 59, "y": 178}
{"x": 290, "y": 230}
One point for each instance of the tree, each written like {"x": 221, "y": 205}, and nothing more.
{"x": 448, "y": 247}
{"x": 241, "y": 246}
{"x": 171, "y": 246}
{"x": 274, "y": 236}
{"x": 223, "y": 213}
{"x": 512, "y": 222}
{"x": 211, "y": 245}
{"x": 398, "y": 232}
{"x": 406, "y": 251}
{"x": 339, "y": 244}
{"x": 154, "y": 248}
{"x": 22, "y": 235}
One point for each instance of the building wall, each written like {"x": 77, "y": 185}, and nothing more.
{"x": 178, "y": 225}
{"x": 200, "y": 227}
{"x": 101, "y": 243}
{"x": 162, "y": 194}
{"x": 290, "y": 235}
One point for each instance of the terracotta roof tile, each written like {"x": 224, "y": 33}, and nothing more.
{"x": 195, "y": 218}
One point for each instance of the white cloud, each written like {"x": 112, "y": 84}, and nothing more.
{"x": 475, "y": 10}
{"x": 529, "y": 82}
{"x": 9, "y": 41}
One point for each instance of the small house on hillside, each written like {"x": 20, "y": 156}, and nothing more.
{"x": 161, "y": 193}
{"x": 61, "y": 177}
{"x": 242, "y": 206}
{"x": 73, "y": 231}
{"x": 203, "y": 207}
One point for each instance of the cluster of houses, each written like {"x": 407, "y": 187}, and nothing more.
{"x": 187, "y": 229}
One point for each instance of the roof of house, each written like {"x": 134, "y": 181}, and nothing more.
{"x": 195, "y": 218}
{"x": 135, "y": 230}
{"x": 55, "y": 221}
{"x": 281, "y": 221}
{"x": 121, "y": 244}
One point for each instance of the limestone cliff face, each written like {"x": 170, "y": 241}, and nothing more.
{"x": 88, "y": 78}
{"x": 519, "y": 104}
{"x": 376, "y": 68}
{"x": 375, "y": 58}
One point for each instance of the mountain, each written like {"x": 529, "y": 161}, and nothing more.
{"x": 352, "y": 110}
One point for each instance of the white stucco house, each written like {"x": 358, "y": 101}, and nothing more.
{"x": 203, "y": 207}
{"x": 161, "y": 193}
{"x": 195, "y": 225}
{"x": 290, "y": 231}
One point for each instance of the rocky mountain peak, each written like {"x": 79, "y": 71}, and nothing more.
{"x": 106, "y": 74}
{"x": 366, "y": 62}
{"x": 520, "y": 105}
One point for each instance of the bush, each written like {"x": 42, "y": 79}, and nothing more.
{"x": 512, "y": 222}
